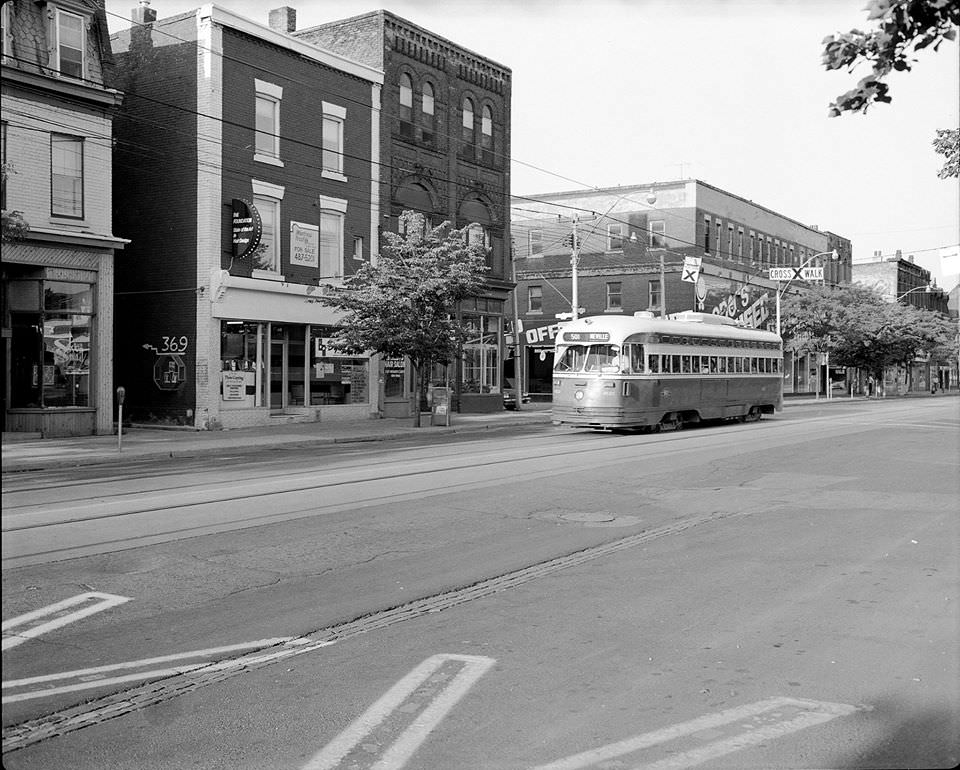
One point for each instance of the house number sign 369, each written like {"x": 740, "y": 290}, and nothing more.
{"x": 174, "y": 344}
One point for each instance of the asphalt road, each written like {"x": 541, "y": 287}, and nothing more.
{"x": 782, "y": 594}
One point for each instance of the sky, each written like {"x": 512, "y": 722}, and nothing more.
{"x": 730, "y": 92}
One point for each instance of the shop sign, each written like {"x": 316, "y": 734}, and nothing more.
{"x": 247, "y": 227}
{"x": 234, "y": 386}
{"x": 542, "y": 333}
{"x": 748, "y": 305}
{"x": 323, "y": 348}
{"x": 304, "y": 244}
{"x": 169, "y": 372}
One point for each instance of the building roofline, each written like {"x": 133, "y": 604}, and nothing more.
{"x": 233, "y": 20}
{"x": 640, "y": 188}
{"x": 401, "y": 21}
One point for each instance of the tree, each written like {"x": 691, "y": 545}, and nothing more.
{"x": 947, "y": 144}
{"x": 15, "y": 227}
{"x": 903, "y": 28}
{"x": 858, "y": 328}
{"x": 406, "y": 304}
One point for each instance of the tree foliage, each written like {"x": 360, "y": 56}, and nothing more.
{"x": 15, "y": 227}
{"x": 947, "y": 144}
{"x": 406, "y": 304}
{"x": 903, "y": 28}
{"x": 858, "y": 328}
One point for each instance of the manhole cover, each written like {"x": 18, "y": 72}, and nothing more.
{"x": 589, "y": 518}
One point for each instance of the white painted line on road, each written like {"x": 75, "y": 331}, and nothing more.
{"x": 814, "y": 712}
{"x": 101, "y": 602}
{"x": 745, "y": 740}
{"x": 93, "y": 677}
{"x": 471, "y": 668}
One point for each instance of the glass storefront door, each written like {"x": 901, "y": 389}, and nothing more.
{"x": 278, "y": 368}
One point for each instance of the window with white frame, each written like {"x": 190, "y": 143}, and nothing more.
{"x": 332, "y": 214}
{"x": 5, "y": 25}
{"x": 614, "y": 295}
{"x": 534, "y": 299}
{"x": 266, "y": 257}
{"x": 358, "y": 247}
{"x": 658, "y": 234}
{"x": 653, "y": 299}
{"x": 334, "y": 118}
{"x": 68, "y": 43}
{"x": 753, "y": 246}
{"x": 719, "y": 245}
{"x": 706, "y": 234}
{"x": 729, "y": 241}
{"x": 535, "y": 242}
{"x": 740, "y": 244}
{"x": 66, "y": 176}
{"x": 267, "y": 141}
{"x": 615, "y": 237}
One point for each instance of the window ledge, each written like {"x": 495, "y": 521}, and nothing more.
{"x": 269, "y": 159}
{"x": 267, "y": 275}
{"x": 333, "y": 175}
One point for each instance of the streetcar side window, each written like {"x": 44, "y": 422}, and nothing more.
{"x": 571, "y": 358}
{"x": 653, "y": 363}
{"x": 636, "y": 358}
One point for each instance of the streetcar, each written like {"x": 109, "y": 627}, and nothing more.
{"x": 640, "y": 372}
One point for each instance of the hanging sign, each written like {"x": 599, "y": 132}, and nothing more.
{"x": 691, "y": 269}
{"x": 247, "y": 227}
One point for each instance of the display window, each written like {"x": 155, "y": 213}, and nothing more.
{"x": 51, "y": 332}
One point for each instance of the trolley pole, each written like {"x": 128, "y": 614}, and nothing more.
{"x": 574, "y": 258}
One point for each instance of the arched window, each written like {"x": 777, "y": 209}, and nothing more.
{"x": 427, "y": 112}
{"x": 406, "y": 97}
{"x": 486, "y": 128}
{"x": 468, "y": 136}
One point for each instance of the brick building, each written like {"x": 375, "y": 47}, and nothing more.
{"x": 58, "y": 280}
{"x": 632, "y": 243}
{"x": 900, "y": 279}
{"x": 445, "y": 150}
{"x": 247, "y": 176}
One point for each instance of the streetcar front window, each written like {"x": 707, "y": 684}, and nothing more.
{"x": 570, "y": 358}
{"x": 603, "y": 358}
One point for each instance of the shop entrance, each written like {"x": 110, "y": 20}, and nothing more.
{"x": 278, "y": 369}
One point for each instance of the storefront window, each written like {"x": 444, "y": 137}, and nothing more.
{"x": 50, "y": 346}
{"x": 335, "y": 377}
{"x": 241, "y": 345}
{"x": 481, "y": 354}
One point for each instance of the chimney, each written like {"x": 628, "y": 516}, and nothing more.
{"x": 143, "y": 14}
{"x": 283, "y": 20}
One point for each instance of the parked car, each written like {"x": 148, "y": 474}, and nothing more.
{"x": 510, "y": 398}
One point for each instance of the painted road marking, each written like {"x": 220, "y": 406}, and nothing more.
{"x": 95, "y": 602}
{"x": 771, "y": 718}
{"x": 453, "y": 675}
{"x": 89, "y": 678}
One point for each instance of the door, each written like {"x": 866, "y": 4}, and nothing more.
{"x": 278, "y": 369}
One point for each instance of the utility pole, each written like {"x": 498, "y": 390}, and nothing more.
{"x": 574, "y": 259}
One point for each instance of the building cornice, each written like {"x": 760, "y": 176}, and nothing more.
{"x": 108, "y": 98}
{"x": 94, "y": 240}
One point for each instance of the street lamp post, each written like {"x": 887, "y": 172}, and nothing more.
{"x": 833, "y": 256}
{"x": 925, "y": 289}
{"x": 780, "y": 291}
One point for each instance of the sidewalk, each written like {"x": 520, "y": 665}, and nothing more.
{"x": 28, "y": 452}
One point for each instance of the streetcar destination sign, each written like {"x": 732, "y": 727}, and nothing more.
{"x": 586, "y": 336}
{"x": 793, "y": 273}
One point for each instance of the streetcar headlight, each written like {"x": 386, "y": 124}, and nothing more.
{"x": 578, "y": 395}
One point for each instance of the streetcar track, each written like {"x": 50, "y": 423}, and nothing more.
{"x": 123, "y": 702}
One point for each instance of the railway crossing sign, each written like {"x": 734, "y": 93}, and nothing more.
{"x": 793, "y": 273}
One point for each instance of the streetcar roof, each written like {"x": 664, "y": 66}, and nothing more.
{"x": 695, "y": 324}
